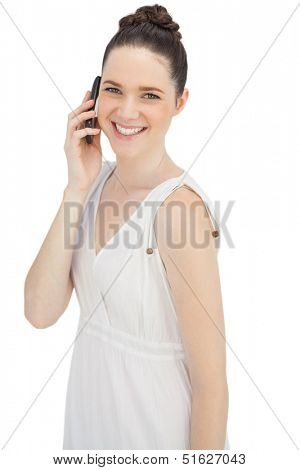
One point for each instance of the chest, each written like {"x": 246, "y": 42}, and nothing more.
{"x": 112, "y": 214}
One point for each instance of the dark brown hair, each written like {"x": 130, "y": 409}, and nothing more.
{"x": 153, "y": 28}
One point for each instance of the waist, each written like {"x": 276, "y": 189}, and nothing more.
{"x": 133, "y": 344}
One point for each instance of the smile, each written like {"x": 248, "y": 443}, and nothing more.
{"x": 126, "y": 133}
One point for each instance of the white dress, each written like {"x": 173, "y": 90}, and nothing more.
{"x": 128, "y": 386}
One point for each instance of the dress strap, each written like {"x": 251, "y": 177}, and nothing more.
{"x": 164, "y": 192}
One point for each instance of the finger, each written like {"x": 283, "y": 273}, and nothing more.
{"x": 85, "y": 105}
{"x": 78, "y": 121}
{"x": 86, "y": 96}
{"x": 87, "y": 130}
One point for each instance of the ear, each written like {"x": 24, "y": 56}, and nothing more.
{"x": 181, "y": 101}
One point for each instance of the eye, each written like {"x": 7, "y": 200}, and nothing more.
{"x": 151, "y": 94}
{"x": 109, "y": 88}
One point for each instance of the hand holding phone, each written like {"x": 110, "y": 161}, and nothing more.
{"x": 84, "y": 161}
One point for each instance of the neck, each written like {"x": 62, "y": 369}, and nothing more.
{"x": 142, "y": 173}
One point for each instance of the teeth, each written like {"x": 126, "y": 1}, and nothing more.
{"x": 128, "y": 131}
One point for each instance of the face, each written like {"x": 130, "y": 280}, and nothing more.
{"x": 121, "y": 100}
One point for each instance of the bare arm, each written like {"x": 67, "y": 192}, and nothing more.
{"x": 48, "y": 285}
{"x": 193, "y": 275}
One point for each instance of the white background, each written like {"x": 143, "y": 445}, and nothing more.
{"x": 50, "y": 54}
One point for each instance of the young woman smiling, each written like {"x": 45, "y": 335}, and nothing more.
{"x": 149, "y": 365}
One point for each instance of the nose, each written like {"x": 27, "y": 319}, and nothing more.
{"x": 128, "y": 110}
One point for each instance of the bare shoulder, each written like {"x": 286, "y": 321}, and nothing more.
{"x": 183, "y": 217}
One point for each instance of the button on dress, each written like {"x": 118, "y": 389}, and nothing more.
{"x": 128, "y": 385}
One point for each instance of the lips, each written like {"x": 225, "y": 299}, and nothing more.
{"x": 126, "y": 137}
{"x": 128, "y": 127}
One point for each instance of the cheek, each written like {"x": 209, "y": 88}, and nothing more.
{"x": 162, "y": 122}
{"x": 156, "y": 115}
{"x": 105, "y": 105}
{"x": 103, "y": 112}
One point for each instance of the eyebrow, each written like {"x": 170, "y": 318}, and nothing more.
{"x": 142, "y": 88}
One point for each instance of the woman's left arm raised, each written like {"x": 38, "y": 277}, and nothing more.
{"x": 189, "y": 253}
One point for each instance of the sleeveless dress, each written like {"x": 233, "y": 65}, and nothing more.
{"x": 128, "y": 385}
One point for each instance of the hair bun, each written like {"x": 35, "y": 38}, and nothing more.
{"x": 156, "y": 14}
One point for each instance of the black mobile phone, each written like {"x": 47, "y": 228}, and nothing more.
{"x": 91, "y": 122}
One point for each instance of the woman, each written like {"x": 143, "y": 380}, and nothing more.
{"x": 148, "y": 368}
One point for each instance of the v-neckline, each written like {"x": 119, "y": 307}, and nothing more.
{"x": 97, "y": 202}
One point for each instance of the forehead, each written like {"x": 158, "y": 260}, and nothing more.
{"x": 135, "y": 65}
